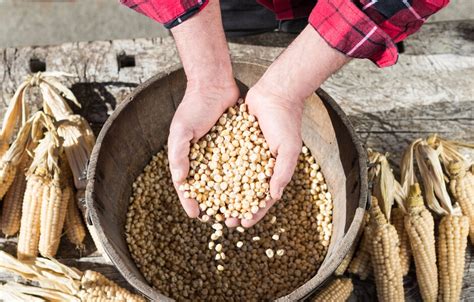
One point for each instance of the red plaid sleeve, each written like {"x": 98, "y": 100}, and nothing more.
{"x": 168, "y": 12}
{"x": 370, "y": 28}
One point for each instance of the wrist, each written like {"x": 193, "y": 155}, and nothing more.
{"x": 302, "y": 67}
{"x": 203, "y": 48}
{"x": 205, "y": 73}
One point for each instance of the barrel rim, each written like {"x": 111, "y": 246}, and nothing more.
{"x": 142, "y": 286}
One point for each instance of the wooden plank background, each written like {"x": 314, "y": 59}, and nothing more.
{"x": 430, "y": 90}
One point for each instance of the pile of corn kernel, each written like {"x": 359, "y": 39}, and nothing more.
{"x": 230, "y": 167}
{"x": 182, "y": 259}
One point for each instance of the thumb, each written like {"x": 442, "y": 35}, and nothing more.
{"x": 178, "y": 150}
{"x": 285, "y": 164}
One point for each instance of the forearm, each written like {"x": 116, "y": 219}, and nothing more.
{"x": 302, "y": 67}
{"x": 203, "y": 48}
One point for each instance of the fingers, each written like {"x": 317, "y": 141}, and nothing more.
{"x": 247, "y": 223}
{"x": 190, "y": 206}
{"x": 232, "y": 222}
{"x": 285, "y": 164}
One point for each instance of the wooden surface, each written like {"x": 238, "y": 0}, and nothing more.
{"x": 431, "y": 89}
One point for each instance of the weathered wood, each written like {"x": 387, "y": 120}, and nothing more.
{"x": 429, "y": 90}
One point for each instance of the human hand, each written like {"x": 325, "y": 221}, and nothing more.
{"x": 211, "y": 88}
{"x": 280, "y": 121}
{"x": 199, "y": 110}
{"x": 277, "y": 100}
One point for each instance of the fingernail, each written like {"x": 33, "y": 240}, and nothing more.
{"x": 177, "y": 175}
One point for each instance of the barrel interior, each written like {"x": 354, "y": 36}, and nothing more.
{"x": 139, "y": 128}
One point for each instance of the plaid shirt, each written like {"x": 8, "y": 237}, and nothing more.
{"x": 358, "y": 28}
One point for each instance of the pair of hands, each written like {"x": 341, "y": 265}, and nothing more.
{"x": 279, "y": 119}
{"x": 276, "y": 99}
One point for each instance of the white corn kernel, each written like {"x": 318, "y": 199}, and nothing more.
{"x": 269, "y": 253}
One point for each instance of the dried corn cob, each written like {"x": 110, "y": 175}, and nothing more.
{"x": 341, "y": 269}
{"x": 462, "y": 188}
{"x": 30, "y": 218}
{"x": 338, "y": 290}
{"x": 53, "y": 214}
{"x": 385, "y": 256}
{"x": 419, "y": 225}
{"x": 7, "y": 175}
{"x": 361, "y": 264}
{"x": 397, "y": 220}
{"x": 40, "y": 188}
{"x": 94, "y": 287}
{"x": 58, "y": 282}
{"x": 74, "y": 227}
{"x": 12, "y": 203}
{"x": 453, "y": 228}
{"x": 451, "y": 247}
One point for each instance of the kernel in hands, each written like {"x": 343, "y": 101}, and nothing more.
{"x": 230, "y": 167}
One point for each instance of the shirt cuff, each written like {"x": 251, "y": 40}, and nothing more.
{"x": 344, "y": 27}
{"x": 170, "y": 13}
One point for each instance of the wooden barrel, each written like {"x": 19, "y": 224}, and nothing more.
{"x": 139, "y": 128}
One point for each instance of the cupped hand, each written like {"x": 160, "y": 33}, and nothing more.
{"x": 199, "y": 110}
{"x": 280, "y": 120}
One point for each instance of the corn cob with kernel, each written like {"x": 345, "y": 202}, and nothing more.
{"x": 53, "y": 214}
{"x": 451, "y": 247}
{"x": 74, "y": 227}
{"x": 453, "y": 228}
{"x": 96, "y": 287}
{"x": 11, "y": 210}
{"x": 397, "y": 220}
{"x": 58, "y": 282}
{"x": 462, "y": 187}
{"x": 344, "y": 266}
{"x": 341, "y": 269}
{"x": 338, "y": 290}
{"x": 30, "y": 218}
{"x": 385, "y": 256}
{"x": 361, "y": 264}
{"x": 40, "y": 190}
{"x": 419, "y": 225}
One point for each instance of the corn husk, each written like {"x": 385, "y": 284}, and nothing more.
{"x": 12, "y": 116}
{"x": 12, "y": 294}
{"x": 78, "y": 143}
{"x": 49, "y": 273}
{"x": 33, "y": 291}
{"x": 436, "y": 193}
{"x": 448, "y": 149}
{"x": 57, "y": 282}
{"x": 46, "y": 154}
{"x": 384, "y": 182}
